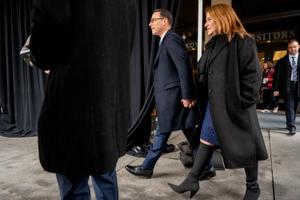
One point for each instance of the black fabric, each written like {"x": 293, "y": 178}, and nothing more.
{"x": 251, "y": 175}
{"x": 201, "y": 160}
{"x": 173, "y": 81}
{"x": 83, "y": 124}
{"x": 203, "y": 69}
{"x": 252, "y": 191}
{"x": 144, "y": 52}
{"x": 191, "y": 182}
{"x": 234, "y": 79}
{"x": 21, "y": 86}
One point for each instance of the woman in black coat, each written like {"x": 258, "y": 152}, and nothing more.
{"x": 229, "y": 82}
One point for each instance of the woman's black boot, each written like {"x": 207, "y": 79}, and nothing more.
{"x": 191, "y": 182}
{"x": 252, "y": 191}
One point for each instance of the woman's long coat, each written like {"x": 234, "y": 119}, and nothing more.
{"x": 83, "y": 124}
{"x": 233, "y": 82}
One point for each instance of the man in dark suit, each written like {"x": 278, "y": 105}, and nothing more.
{"x": 83, "y": 123}
{"x": 173, "y": 90}
{"x": 287, "y": 80}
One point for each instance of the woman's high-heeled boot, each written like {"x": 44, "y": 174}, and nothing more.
{"x": 252, "y": 191}
{"x": 191, "y": 182}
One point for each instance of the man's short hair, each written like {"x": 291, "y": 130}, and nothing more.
{"x": 293, "y": 40}
{"x": 166, "y": 14}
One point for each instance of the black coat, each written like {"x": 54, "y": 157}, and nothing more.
{"x": 233, "y": 82}
{"x": 83, "y": 124}
{"x": 282, "y": 75}
{"x": 173, "y": 81}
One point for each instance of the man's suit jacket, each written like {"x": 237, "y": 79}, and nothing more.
{"x": 282, "y": 76}
{"x": 173, "y": 81}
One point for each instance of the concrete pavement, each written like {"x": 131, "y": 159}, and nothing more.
{"x": 22, "y": 178}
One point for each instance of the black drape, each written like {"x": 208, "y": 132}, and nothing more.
{"x": 144, "y": 51}
{"x": 21, "y": 86}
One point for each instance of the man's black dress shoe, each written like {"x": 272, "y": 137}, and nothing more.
{"x": 142, "y": 150}
{"x": 185, "y": 148}
{"x": 292, "y": 131}
{"x": 169, "y": 148}
{"x": 139, "y": 171}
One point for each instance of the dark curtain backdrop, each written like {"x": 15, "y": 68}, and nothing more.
{"x": 21, "y": 86}
{"x": 144, "y": 52}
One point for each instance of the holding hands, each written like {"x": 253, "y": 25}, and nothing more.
{"x": 188, "y": 103}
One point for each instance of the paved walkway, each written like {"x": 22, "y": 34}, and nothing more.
{"x": 22, "y": 178}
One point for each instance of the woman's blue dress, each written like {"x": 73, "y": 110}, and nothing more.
{"x": 208, "y": 132}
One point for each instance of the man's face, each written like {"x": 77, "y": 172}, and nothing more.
{"x": 157, "y": 24}
{"x": 293, "y": 48}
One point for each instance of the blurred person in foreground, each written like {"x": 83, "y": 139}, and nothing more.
{"x": 228, "y": 89}
{"x": 82, "y": 127}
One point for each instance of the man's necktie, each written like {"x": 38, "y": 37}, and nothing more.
{"x": 294, "y": 69}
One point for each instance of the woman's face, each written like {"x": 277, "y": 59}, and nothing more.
{"x": 210, "y": 25}
{"x": 265, "y": 66}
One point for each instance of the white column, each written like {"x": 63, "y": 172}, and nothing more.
{"x": 200, "y": 29}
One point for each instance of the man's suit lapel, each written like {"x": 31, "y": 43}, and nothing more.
{"x": 289, "y": 66}
{"x": 158, "y": 51}
{"x": 160, "y": 47}
{"x": 287, "y": 60}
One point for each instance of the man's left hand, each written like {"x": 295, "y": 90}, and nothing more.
{"x": 188, "y": 103}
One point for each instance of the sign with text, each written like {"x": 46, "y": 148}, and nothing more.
{"x": 275, "y": 36}
{"x": 191, "y": 45}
